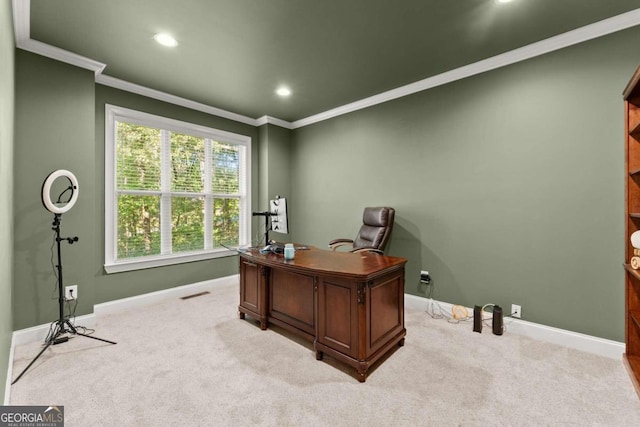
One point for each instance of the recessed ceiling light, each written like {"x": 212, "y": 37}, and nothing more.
{"x": 503, "y": 1}
{"x": 283, "y": 91}
{"x": 165, "y": 40}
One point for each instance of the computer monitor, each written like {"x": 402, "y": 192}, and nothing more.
{"x": 279, "y": 219}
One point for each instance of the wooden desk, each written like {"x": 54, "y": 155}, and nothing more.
{"x": 351, "y": 306}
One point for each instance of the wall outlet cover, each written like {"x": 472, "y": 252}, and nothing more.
{"x": 71, "y": 292}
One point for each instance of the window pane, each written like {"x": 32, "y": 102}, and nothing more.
{"x": 138, "y": 226}
{"x": 187, "y": 163}
{"x": 226, "y": 222}
{"x": 138, "y": 157}
{"x": 180, "y": 190}
{"x": 187, "y": 224}
{"x": 226, "y": 168}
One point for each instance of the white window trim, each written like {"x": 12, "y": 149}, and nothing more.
{"x": 114, "y": 113}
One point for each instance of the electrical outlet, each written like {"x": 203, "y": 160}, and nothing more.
{"x": 71, "y": 292}
{"x": 424, "y": 277}
{"x": 516, "y": 311}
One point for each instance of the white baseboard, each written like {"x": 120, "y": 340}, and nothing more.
{"x": 39, "y": 333}
{"x": 7, "y": 386}
{"x": 563, "y": 337}
{"x": 36, "y": 333}
{"x": 590, "y": 344}
{"x": 159, "y": 296}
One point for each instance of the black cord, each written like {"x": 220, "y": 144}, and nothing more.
{"x": 260, "y": 244}
{"x": 54, "y": 293}
{"x": 60, "y": 196}
{"x": 50, "y": 333}
{"x": 430, "y": 284}
{"x": 85, "y": 330}
{"x": 71, "y": 316}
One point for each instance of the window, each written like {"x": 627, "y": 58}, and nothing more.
{"x": 174, "y": 191}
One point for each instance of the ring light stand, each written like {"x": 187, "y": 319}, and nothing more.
{"x": 62, "y": 325}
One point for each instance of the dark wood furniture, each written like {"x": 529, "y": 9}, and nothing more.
{"x": 632, "y": 223}
{"x": 350, "y": 305}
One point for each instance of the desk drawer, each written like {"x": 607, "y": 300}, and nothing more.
{"x": 292, "y": 299}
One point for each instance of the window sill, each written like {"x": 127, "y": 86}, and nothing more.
{"x": 151, "y": 262}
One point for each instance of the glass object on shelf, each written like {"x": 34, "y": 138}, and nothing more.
{"x": 635, "y": 242}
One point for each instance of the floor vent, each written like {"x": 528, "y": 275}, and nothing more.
{"x": 195, "y": 295}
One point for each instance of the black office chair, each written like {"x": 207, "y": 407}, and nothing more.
{"x": 374, "y": 233}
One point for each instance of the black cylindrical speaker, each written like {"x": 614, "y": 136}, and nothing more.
{"x": 497, "y": 320}
{"x": 477, "y": 319}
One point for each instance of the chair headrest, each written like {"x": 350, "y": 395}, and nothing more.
{"x": 378, "y": 217}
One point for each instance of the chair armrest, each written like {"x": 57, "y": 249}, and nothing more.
{"x": 336, "y": 243}
{"x": 359, "y": 250}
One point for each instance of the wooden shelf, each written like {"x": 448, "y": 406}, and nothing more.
{"x": 634, "y": 130}
{"x": 633, "y": 86}
{"x": 634, "y": 273}
{"x": 632, "y": 196}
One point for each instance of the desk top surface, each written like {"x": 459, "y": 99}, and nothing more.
{"x": 329, "y": 262}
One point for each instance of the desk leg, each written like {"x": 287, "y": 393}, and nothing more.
{"x": 401, "y": 343}
{"x": 362, "y": 371}
{"x": 263, "y": 324}
{"x": 241, "y": 315}
{"x": 319, "y": 355}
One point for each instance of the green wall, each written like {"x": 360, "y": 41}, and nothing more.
{"x": 7, "y": 62}
{"x": 54, "y": 122}
{"x": 508, "y": 186}
{"x": 275, "y": 149}
{"x": 60, "y": 124}
{"x": 263, "y": 171}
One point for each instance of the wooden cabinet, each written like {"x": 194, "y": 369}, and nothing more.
{"x": 360, "y": 321}
{"x": 632, "y": 224}
{"x": 253, "y": 295}
{"x": 351, "y": 306}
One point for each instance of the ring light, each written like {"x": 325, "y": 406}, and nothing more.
{"x": 59, "y": 330}
{"x": 46, "y": 188}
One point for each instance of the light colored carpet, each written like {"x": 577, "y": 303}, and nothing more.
{"x": 194, "y": 363}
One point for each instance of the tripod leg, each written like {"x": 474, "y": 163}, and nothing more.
{"x": 34, "y": 359}
{"x": 95, "y": 338}
{"x": 75, "y": 331}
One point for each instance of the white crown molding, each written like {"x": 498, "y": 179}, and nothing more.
{"x": 274, "y": 121}
{"x": 589, "y": 32}
{"x": 21, "y": 23}
{"x": 21, "y": 19}
{"x": 172, "y": 99}
{"x": 62, "y": 55}
{"x": 22, "y": 30}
